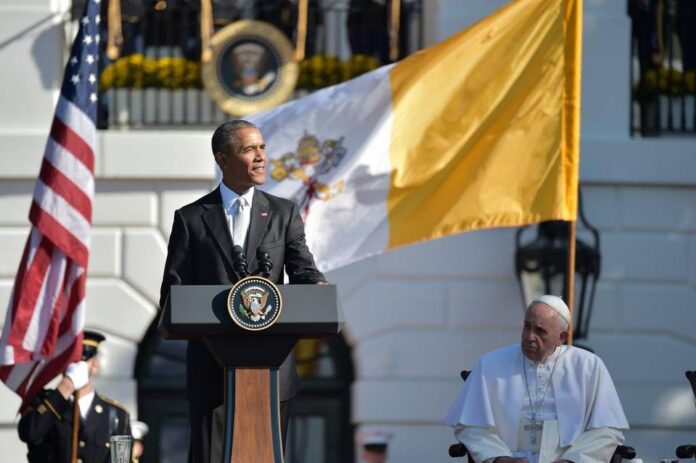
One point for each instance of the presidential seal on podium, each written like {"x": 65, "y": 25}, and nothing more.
{"x": 253, "y": 68}
{"x": 254, "y": 303}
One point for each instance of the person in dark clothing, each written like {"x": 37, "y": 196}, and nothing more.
{"x": 648, "y": 35}
{"x": 46, "y": 426}
{"x": 200, "y": 253}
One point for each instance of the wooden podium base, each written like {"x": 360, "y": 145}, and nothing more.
{"x": 252, "y": 420}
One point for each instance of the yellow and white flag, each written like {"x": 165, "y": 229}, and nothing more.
{"x": 479, "y": 131}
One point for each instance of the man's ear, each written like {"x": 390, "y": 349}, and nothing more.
{"x": 219, "y": 158}
{"x": 564, "y": 336}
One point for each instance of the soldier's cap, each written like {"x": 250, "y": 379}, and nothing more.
{"x": 139, "y": 429}
{"x": 375, "y": 441}
{"x": 90, "y": 344}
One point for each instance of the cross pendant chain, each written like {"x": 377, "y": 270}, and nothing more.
{"x": 535, "y": 425}
{"x": 533, "y": 428}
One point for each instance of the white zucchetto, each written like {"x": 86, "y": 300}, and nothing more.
{"x": 556, "y": 303}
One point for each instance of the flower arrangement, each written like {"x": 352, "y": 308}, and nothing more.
{"x": 321, "y": 71}
{"x": 668, "y": 81}
{"x": 138, "y": 71}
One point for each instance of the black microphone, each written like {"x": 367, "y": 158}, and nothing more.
{"x": 686, "y": 451}
{"x": 458, "y": 450}
{"x": 265, "y": 264}
{"x": 239, "y": 262}
{"x": 691, "y": 376}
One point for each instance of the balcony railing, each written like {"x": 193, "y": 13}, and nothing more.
{"x": 156, "y": 81}
{"x": 663, "y": 67}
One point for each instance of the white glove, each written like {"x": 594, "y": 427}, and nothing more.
{"x": 78, "y": 373}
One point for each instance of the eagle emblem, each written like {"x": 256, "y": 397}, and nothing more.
{"x": 250, "y": 62}
{"x": 254, "y": 303}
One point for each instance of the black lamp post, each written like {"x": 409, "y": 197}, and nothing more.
{"x": 541, "y": 267}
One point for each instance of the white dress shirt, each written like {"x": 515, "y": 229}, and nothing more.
{"x": 85, "y": 402}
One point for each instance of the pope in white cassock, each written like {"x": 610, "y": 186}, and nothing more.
{"x": 541, "y": 401}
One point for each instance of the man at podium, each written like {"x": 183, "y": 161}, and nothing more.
{"x": 200, "y": 251}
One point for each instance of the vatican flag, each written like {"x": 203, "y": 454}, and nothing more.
{"x": 479, "y": 131}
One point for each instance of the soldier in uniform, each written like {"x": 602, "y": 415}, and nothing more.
{"x": 374, "y": 446}
{"x": 46, "y": 426}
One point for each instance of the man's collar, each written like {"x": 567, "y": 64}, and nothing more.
{"x": 229, "y": 196}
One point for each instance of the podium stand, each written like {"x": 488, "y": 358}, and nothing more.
{"x": 250, "y": 358}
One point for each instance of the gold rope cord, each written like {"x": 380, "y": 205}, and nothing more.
{"x": 394, "y": 17}
{"x": 115, "y": 40}
{"x": 301, "y": 30}
{"x": 206, "y": 30}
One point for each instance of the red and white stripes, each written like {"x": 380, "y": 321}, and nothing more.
{"x": 45, "y": 317}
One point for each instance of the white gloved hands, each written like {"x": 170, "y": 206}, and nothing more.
{"x": 78, "y": 373}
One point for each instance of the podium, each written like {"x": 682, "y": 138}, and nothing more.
{"x": 250, "y": 358}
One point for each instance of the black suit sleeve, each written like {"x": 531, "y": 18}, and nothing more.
{"x": 178, "y": 270}
{"x": 45, "y": 412}
{"x": 299, "y": 262}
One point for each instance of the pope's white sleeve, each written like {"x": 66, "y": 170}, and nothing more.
{"x": 594, "y": 446}
{"x": 483, "y": 444}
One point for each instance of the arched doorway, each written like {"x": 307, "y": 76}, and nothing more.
{"x": 320, "y": 428}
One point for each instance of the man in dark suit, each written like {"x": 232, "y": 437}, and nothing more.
{"x": 46, "y": 426}
{"x": 200, "y": 252}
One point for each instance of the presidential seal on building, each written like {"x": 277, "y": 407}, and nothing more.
{"x": 254, "y": 303}
{"x": 252, "y": 69}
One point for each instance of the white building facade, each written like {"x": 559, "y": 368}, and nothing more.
{"x": 414, "y": 317}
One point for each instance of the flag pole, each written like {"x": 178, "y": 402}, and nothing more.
{"x": 571, "y": 131}
{"x": 570, "y": 278}
{"x": 75, "y": 429}
{"x": 301, "y": 41}
{"x": 394, "y": 24}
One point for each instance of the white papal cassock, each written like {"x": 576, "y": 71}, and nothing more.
{"x": 571, "y": 392}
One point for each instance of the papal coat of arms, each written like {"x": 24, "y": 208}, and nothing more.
{"x": 312, "y": 160}
{"x": 254, "y": 303}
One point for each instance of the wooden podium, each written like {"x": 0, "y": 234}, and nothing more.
{"x": 250, "y": 358}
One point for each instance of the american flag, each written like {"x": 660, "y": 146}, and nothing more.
{"x": 45, "y": 317}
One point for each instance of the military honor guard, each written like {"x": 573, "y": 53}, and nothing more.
{"x": 47, "y": 425}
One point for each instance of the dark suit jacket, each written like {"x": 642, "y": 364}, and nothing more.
{"x": 46, "y": 427}
{"x": 200, "y": 252}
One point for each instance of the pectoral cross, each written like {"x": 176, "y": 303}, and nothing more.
{"x": 533, "y": 427}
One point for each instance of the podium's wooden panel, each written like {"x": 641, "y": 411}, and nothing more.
{"x": 252, "y": 417}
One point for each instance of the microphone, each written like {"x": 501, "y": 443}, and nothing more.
{"x": 239, "y": 262}
{"x": 265, "y": 264}
{"x": 686, "y": 451}
{"x": 691, "y": 376}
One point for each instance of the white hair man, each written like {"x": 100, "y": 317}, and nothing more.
{"x": 539, "y": 401}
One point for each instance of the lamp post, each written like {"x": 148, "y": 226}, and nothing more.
{"x": 541, "y": 267}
